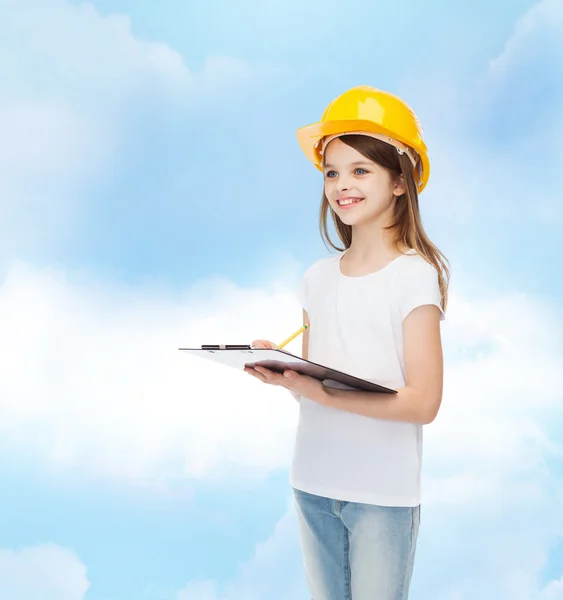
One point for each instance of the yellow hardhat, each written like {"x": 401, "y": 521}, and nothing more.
{"x": 369, "y": 111}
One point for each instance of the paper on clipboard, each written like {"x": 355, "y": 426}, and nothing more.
{"x": 279, "y": 360}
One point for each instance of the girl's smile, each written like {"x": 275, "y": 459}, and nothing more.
{"x": 347, "y": 202}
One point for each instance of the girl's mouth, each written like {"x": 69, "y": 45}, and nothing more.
{"x": 348, "y": 202}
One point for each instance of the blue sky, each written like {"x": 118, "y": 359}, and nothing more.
{"x": 154, "y": 196}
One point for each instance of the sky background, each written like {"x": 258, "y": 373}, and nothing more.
{"x": 153, "y": 196}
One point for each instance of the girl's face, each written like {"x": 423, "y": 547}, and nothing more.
{"x": 358, "y": 190}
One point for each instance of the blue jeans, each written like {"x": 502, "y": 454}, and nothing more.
{"x": 354, "y": 551}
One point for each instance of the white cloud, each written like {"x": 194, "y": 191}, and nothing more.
{"x": 492, "y": 496}
{"x": 553, "y": 591}
{"x": 68, "y": 74}
{"x": 526, "y": 88}
{"x": 274, "y": 571}
{"x": 91, "y": 376}
{"x": 502, "y": 354}
{"x": 72, "y": 81}
{"x": 46, "y": 572}
{"x": 509, "y": 116}
{"x": 536, "y": 32}
{"x": 49, "y": 44}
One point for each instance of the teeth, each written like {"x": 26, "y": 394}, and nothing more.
{"x": 348, "y": 201}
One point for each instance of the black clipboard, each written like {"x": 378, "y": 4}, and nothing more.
{"x": 241, "y": 356}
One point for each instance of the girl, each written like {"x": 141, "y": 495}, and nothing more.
{"x": 374, "y": 311}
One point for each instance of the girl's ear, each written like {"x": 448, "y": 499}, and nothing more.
{"x": 400, "y": 187}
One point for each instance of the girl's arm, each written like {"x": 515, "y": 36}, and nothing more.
{"x": 417, "y": 402}
{"x": 304, "y": 348}
{"x": 305, "y": 341}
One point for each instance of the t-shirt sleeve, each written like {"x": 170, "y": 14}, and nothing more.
{"x": 419, "y": 286}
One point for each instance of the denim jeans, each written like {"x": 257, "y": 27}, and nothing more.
{"x": 354, "y": 551}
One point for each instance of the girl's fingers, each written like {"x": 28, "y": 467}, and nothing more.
{"x": 269, "y": 375}
{"x": 254, "y": 373}
{"x": 263, "y": 344}
{"x": 258, "y": 375}
{"x": 273, "y": 377}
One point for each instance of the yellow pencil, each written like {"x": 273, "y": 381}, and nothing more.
{"x": 292, "y": 337}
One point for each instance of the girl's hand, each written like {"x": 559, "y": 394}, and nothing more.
{"x": 263, "y": 344}
{"x": 302, "y": 385}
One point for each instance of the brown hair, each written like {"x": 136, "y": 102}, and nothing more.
{"x": 407, "y": 223}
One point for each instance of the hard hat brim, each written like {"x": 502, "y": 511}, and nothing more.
{"x": 309, "y": 138}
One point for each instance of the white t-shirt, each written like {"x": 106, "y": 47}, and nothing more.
{"x": 356, "y": 327}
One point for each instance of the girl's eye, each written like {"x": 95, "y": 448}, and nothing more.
{"x": 358, "y": 171}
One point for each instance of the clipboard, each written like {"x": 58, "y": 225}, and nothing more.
{"x": 241, "y": 356}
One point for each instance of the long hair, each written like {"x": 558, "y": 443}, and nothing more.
{"x": 407, "y": 225}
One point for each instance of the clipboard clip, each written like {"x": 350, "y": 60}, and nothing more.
{"x": 226, "y": 347}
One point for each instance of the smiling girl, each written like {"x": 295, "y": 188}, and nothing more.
{"x": 374, "y": 311}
